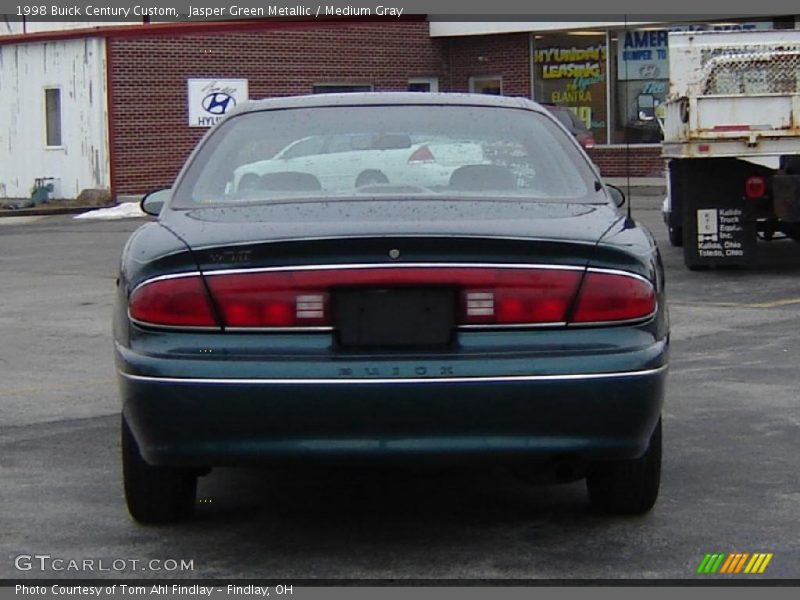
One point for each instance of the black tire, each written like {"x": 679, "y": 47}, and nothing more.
{"x": 690, "y": 260}
{"x": 371, "y": 177}
{"x": 155, "y": 494}
{"x": 627, "y": 487}
{"x": 675, "y": 235}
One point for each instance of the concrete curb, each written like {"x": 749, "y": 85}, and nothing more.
{"x": 39, "y": 211}
{"x": 640, "y": 186}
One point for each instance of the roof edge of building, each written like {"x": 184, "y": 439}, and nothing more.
{"x": 185, "y": 28}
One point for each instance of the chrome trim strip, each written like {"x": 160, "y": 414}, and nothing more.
{"x": 619, "y": 272}
{"x": 489, "y": 326}
{"x": 310, "y": 328}
{"x": 615, "y": 323}
{"x": 415, "y": 265}
{"x": 187, "y": 328}
{"x": 351, "y": 381}
{"x": 344, "y": 266}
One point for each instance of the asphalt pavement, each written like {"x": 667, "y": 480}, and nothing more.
{"x": 730, "y": 475}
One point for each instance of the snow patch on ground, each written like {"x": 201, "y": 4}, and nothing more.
{"x": 125, "y": 210}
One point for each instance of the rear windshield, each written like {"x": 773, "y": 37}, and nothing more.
{"x": 407, "y": 151}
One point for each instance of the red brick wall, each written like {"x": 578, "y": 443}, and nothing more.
{"x": 506, "y": 55}
{"x": 637, "y": 161}
{"x": 151, "y": 136}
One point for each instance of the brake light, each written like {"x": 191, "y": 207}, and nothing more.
{"x": 176, "y": 302}
{"x": 271, "y": 299}
{"x": 422, "y": 154}
{"x": 755, "y": 187}
{"x": 605, "y": 297}
{"x": 487, "y": 295}
{"x": 519, "y": 297}
{"x": 586, "y": 140}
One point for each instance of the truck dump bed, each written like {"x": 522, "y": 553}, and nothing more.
{"x": 733, "y": 94}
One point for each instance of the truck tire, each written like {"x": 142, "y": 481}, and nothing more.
{"x": 155, "y": 494}
{"x": 628, "y": 487}
{"x": 675, "y": 234}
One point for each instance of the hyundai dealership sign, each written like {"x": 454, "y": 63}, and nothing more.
{"x": 211, "y": 99}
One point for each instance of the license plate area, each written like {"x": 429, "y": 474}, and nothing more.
{"x": 394, "y": 317}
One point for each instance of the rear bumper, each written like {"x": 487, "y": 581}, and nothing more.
{"x": 209, "y": 421}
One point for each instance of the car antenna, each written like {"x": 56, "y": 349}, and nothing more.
{"x": 629, "y": 223}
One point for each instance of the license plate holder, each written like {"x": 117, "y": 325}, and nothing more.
{"x": 394, "y": 317}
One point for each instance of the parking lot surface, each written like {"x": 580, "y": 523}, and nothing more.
{"x": 731, "y": 435}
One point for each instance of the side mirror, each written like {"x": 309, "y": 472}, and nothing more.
{"x": 153, "y": 202}
{"x": 645, "y": 106}
{"x": 617, "y": 195}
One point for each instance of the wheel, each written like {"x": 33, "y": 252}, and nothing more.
{"x": 371, "y": 177}
{"x": 675, "y": 235}
{"x": 627, "y": 487}
{"x": 249, "y": 182}
{"x": 155, "y": 494}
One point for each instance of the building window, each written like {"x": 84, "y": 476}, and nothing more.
{"x": 570, "y": 70}
{"x": 486, "y": 85}
{"x": 338, "y": 88}
{"x": 423, "y": 84}
{"x": 52, "y": 110}
{"x": 640, "y": 73}
{"x": 642, "y": 81}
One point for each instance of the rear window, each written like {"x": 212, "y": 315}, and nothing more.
{"x": 407, "y": 151}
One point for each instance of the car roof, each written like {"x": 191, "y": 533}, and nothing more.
{"x": 383, "y": 99}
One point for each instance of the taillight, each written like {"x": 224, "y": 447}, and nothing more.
{"x": 606, "y": 297}
{"x": 176, "y": 302}
{"x": 755, "y": 187}
{"x": 519, "y": 297}
{"x": 271, "y": 299}
{"x": 422, "y": 154}
{"x": 487, "y": 295}
{"x": 586, "y": 140}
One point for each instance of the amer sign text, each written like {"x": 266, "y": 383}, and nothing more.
{"x": 211, "y": 99}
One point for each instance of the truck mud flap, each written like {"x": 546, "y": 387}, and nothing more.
{"x": 719, "y": 223}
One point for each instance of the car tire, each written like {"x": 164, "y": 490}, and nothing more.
{"x": 371, "y": 177}
{"x": 155, "y": 494}
{"x": 627, "y": 487}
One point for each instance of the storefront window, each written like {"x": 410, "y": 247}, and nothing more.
{"x": 641, "y": 76}
{"x": 642, "y": 83}
{"x": 570, "y": 70}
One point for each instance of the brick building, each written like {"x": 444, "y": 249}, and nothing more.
{"x": 108, "y": 107}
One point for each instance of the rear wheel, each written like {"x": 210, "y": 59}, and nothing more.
{"x": 627, "y": 487}
{"x": 155, "y": 494}
{"x": 371, "y": 177}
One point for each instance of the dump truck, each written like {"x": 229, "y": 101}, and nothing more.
{"x": 731, "y": 125}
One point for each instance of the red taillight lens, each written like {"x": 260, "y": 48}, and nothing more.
{"x": 605, "y": 297}
{"x": 755, "y": 187}
{"x": 586, "y": 140}
{"x": 178, "y": 302}
{"x": 518, "y": 297}
{"x": 422, "y": 154}
{"x": 302, "y": 297}
{"x": 273, "y": 299}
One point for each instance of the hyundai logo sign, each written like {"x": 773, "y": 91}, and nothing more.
{"x": 211, "y": 99}
{"x": 217, "y": 103}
